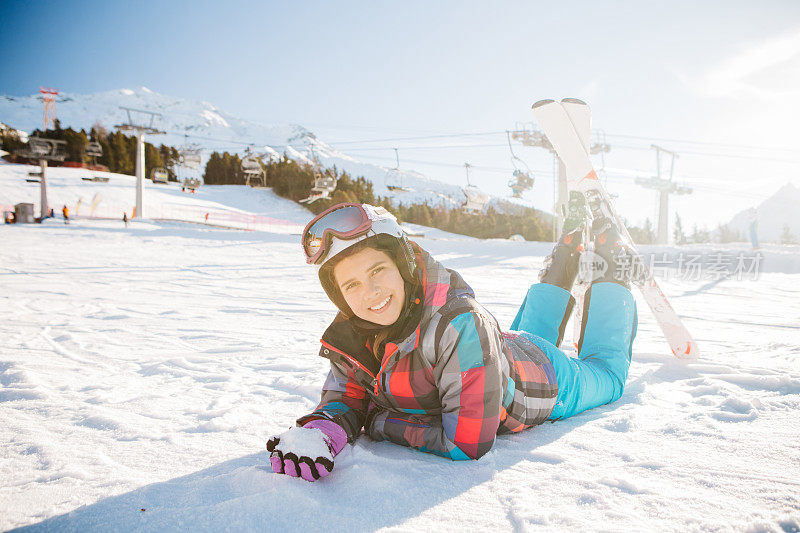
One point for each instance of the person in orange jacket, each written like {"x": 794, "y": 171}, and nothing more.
{"x": 65, "y": 213}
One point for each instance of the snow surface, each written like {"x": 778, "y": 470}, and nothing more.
{"x": 144, "y": 368}
{"x": 226, "y": 205}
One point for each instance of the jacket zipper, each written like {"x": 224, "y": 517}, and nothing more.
{"x": 353, "y": 360}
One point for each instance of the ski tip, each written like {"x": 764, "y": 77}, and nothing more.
{"x": 573, "y": 101}
{"x": 540, "y": 103}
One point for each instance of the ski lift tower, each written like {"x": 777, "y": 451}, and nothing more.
{"x": 43, "y": 150}
{"x": 138, "y": 123}
{"x": 49, "y": 99}
{"x": 665, "y": 187}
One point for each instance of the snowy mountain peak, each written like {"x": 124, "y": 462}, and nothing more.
{"x": 772, "y": 214}
{"x": 788, "y": 190}
{"x": 204, "y": 124}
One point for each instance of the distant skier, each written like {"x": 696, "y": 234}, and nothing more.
{"x": 125, "y": 218}
{"x": 754, "y": 228}
{"x": 417, "y": 361}
{"x": 65, "y": 214}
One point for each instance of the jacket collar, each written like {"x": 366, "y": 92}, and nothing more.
{"x": 439, "y": 285}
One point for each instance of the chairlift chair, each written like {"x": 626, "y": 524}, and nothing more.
{"x": 159, "y": 175}
{"x": 394, "y": 178}
{"x": 190, "y": 183}
{"x": 521, "y": 182}
{"x": 476, "y": 198}
{"x": 324, "y": 185}
{"x": 190, "y": 158}
{"x": 189, "y": 154}
{"x": 251, "y": 166}
{"x": 40, "y": 147}
{"x": 94, "y": 149}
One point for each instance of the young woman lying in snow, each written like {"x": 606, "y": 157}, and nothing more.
{"x": 417, "y": 361}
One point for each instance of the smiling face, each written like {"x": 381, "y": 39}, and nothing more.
{"x": 371, "y": 285}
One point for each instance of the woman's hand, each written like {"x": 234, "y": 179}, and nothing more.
{"x": 307, "y": 451}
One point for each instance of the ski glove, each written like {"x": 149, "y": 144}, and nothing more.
{"x": 307, "y": 451}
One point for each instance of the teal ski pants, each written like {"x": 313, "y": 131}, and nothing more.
{"x": 598, "y": 375}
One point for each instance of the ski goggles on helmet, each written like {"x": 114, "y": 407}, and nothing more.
{"x": 341, "y": 226}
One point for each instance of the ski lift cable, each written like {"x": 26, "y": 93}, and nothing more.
{"x": 708, "y": 154}
{"x": 442, "y": 136}
{"x": 702, "y": 143}
{"x": 430, "y": 147}
{"x": 617, "y": 146}
{"x": 499, "y": 170}
{"x": 609, "y": 175}
{"x": 473, "y": 134}
{"x": 514, "y": 156}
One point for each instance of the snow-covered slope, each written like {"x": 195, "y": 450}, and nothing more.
{"x": 143, "y": 370}
{"x": 782, "y": 208}
{"x": 225, "y": 205}
{"x": 212, "y": 128}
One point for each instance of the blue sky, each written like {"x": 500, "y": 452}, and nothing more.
{"x": 716, "y": 72}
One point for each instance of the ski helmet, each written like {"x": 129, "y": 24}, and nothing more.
{"x": 344, "y": 229}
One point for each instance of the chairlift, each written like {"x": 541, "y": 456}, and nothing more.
{"x": 394, "y": 178}
{"x": 190, "y": 183}
{"x": 40, "y": 148}
{"x": 94, "y": 149}
{"x": 324, "y": 185}
{"x": 191, "y": 159}
{"x": 476, "y": 199}
{"x": 522, "y": 180}
{"x": 159, "y": 175}
{"x": 251, "y": 166}
{"x": 520, "y": 183}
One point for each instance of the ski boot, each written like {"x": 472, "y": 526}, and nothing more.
{"x": 618, "y": 264}
{"x": 577, "y": 212}
{"x": 561, "y": 266}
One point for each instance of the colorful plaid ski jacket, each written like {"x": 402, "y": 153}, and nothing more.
{"x": 449, "y": 387}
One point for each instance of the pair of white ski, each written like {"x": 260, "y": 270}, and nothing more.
{"x": 567, "y": 126}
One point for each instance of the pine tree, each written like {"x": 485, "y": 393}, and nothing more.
{"x": 787, "y": 237}
{"x": 680, "y": 237}
{"x": 152, "y": 159}
{"x": 725, "y": 234}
